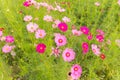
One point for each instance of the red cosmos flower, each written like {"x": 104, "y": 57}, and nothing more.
{"x": 85, "y": 30}
{"x": 102, "y": 56}
{"x": 63, "y": 26}
{"x": 40, "y": 48}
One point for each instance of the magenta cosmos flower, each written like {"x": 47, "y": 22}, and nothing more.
{"x": 32, "y": 27}
{"x": 40, "y": 33}
{"x": 89, "y": 37}
{"x": 6, "y": 49}
{"x": 40, "y": 48}
{"x": 63, "y": 27}
{"x": 60, "y": 40}
{"x": 26, "y": 4}
{"x": 68, "y": 55}
{"x": 85, "y": 47}
{"x": 100, "y": 38}
{"x": 9, "y": 39}
{"x": 95, "y": 49}
{"x": 76, "y": 71}
{"x": 85, "y": 30}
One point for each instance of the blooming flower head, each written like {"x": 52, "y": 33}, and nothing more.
{"x": 100, "y": 38}
{"x": 85, "y": 47}
{"x": 6, "y": 49}
{"x": 100, "y": 32}
{"x": 97, "y": 4}
{"x": 48, "y": 18}
{"x": 118, "y": 2}
{"x": 1, "y": 33}
{"x": 60, "y": 40}
{"x": 56, "y": 22}
{"x": 63, "y": 26}
{"x": 40, "y": 48}
{"x": 66, "y": 19}
{"x": 85, "y": 30}
{"x": 26, "y": 4}
{"x": 95, "y": 49}
{"x": 117, "y": 41}
{"x": 2, "y": 38}
{"x": 102, "y": 56}
{"x": 32, "y": 27}
{"x": 76, "y": 32}
{"x": 76, "y": 71}
{"x": 9, "y": 39}
{"x": 59, "y": 9}
{"x": 89, "y": 37}
{"x": 68, "y": 55}
{"x": 55, "y": 51}
{"x": 27, "y": 18}
{"x": 40, "y": 33}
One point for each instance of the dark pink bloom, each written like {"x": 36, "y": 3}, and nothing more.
{"x": 89, "y": 37}
{"x": 85, "y": 30}
{"x": 40, "y": 48}
{"x": 26, "y": 4}
{"x": 63, "y": 26}
{"x": 100, "y": 38}
{"x": 9, "y": 39}
{"x": 85, "y": 47}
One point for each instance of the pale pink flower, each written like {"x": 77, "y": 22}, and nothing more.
{"x": 31, "y": 1}
{"x": 68, "y": 55}
{"x": 95, "y": 49}
{"x": 40, "y": 33}
{"x": 59, "y": 9}
{"x": 28, "y": 18}
{"x": 118, "y": 2}
{"x": 60, "y": 40}
{"x": 9, "y": 39}
{"x": 50, "y": 7}
{"x": 2, "y": 38}
{"x": 66, "y": 19}
{"x": 6, "y": 49}
{"x": 76, "y": 32}
{"x": 76, "y": 71}
{"x": 56, "y": 22}
{"x": 32, "y": 27}
{"x": 97, "y": 4}
{"x": 56, "y": 51}
{"x": 117, "y": 41}
{"x": 1, "y": 33}
{"x": 44, "y": 4}
{"x": 48, "y": 18}
{"x": 100, "y": 32}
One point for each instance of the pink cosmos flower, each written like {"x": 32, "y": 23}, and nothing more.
{"x": 85, "y": 30}
{"x": 60, "y": 9}
{"x": 76, "y": 71}
{"x": 76, "y": 32}
{"x": 40, "y": 33}
{"x": 89, "y": 37}
{"x": 95, "y": 49}
{"x": 117, "y": 41}
{"x": 26, "y": 4}
{"x": 2, "y": 38}
{"x": 31, "y": 2}
{"x": 40, "y": 48}
{"x": 68, "y": 55}
{"x": 44, "y": 4}
{"x": 97, "y": 4}
{"x": 85, "y": 47}
{"x": 100, "y": 32}
{"x": 50, "y": 7}
{"x": 118, "y": 2}
{"x": 66, "y": 19}
{"x": 63, "y": 27}
{"x": 28, "y": 18}
{"x": 32, "y": 27}
{"x": 48, "y": 18}
{"x": 1, "y": 33}
{"x": 6, "y": 49}
{"x": 60, "y": 40}
{"x": 100, "y": 38}
{"x": 55, "y": 51}
{"x": 56, "y": 22}
{"x": 9, "y": 39}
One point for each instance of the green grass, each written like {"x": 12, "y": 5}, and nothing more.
{"x": 29, "y": 65}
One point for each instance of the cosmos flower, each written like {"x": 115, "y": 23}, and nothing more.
{"x": 68, "y": 55}
{"x": 89, "y": 37}
{"x": 76, "y": 71}
{"x": 6, "y": 49}
{"x": 9, "y": 39}
{"x": 76, "y": 32}
{"x": 97, "y": 4}
{"x": 32, "y": 27}
{"x": 100, "y": 32}
{"x": 100, "y": 38}
{"x": 55, "y": 51}
{"x": 56, "y": 22}
{"x": 2, "y": 38}
{"x": 1, "y": 33}
{"x": 40, "y": 33}
{"x": 59, "y": 9}
{"x": 26, "y": 4}
{"x": 63, "y": 26}
{"x": 118, "y": 2}
{"x": 48, "y": 18}
{"x": 66, "y": 19}
{"x": 60, "y": 40}
{"x": 85, "y": 47}
{"x": 95, "y": 49}
{"x": 28, "y": 18}
{"x": 117, "y": 41}
{"x": 40, "y": 48}
{"x": 85, "y": 30}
